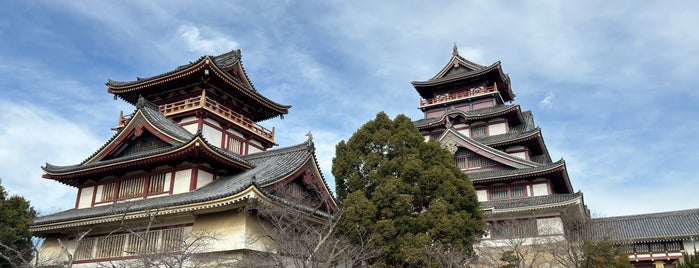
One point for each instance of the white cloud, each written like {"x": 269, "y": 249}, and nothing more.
{"x": 547, "y": 101}
{"x": 213, "y": 43}
{"x": 31, "y": 136}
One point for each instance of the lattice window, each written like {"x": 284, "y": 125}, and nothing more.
{"x": 172, "y": 239}
{"x": 519, "y": 191}
{"x": 479, "y": 132}
{"x": 108, "y": 192}
{"x": 498, "y": 193}
{"x": 157, "y": 184}
{"x": 515, "y": 228}
{"x": 475, "y": 162}
{"x": 460, "y": 159}
{"x": 132, "y": 188}
{"x": 84, "y": 250}
{"x": 235, "y": 146}
{"x": 110, "y": 246}
{"x": 143, "y": 243}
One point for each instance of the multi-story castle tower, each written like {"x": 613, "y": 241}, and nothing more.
{"x": 523, "y": 193}
{"x": 186, "y": 160}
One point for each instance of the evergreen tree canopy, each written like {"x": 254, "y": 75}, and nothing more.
{"x": 16, "y": 214}
{"x": 405, "y": 193}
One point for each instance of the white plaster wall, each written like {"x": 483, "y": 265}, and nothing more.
{"x": 522, "y": 155}
{"x": 690, "y": 245}
{"x": 204, "y": 178}
{"x": 212, "y": 135}
{"x": 182, "y": 179}
{"x": 188, "y": 119}
{"x": 192, "y": 128}
{"x": 482, "y": 195}
{"x": 85, "y": 199}
{"x": 550, "y": 226}
{"x": 540, "y": 189}
{"x": 98, "y": 195}
{"x": 228, "y": 227}
{"x": 427, "y": 138}
{"x": 212, "y": 122}
{"x": 235, "y": 133}
{"x": 465, "y": 132}
{"x": 496, "y": 129}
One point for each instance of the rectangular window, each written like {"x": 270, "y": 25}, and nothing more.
{"x": 479, "y": 132}
{"x": 498, "y": 193}
{"x": 132, "y": 188}
{"x": 519, "y": 191}
{"x": 235, "y": 146}
{"x": 475, "y": 162}
{"x": 157, "y": 184}
{"x": 129, "y": 244}
{"x": 108, "y": 191}
{"x": 525, "y": 228}
{"x": 460, "y": 161}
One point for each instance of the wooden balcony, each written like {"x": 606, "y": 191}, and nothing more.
{"x": 212, "y": 106}
{"x": 477, "y": 91}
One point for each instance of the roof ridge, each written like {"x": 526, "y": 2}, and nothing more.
{"x": 649, "y": 215}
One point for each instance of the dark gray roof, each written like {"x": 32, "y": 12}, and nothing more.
{"x": 151, "y": 114}
{"x": 488, "y": 112}
{"x": 506, "y": 173}
{"x": 510, "y": 136}
{"x": 530, "y": 201}
{"x": 270, "y": 166}
{"x": 492, "y": 150}
{"x": 652, "y": 227}
{"x": 223, "y": 61}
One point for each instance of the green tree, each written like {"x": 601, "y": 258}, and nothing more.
{"x": 16, "y": 214}
{"x": 405, "y": 192}
{"x": 603, "y": 254}
{"x": 690, "y": 260}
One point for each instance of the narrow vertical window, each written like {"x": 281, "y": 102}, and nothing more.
{"x": 108, "y": 192}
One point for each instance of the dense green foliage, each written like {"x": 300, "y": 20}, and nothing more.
{"x": 403, "y": 194}
{"x": 16, "y": 214}
{"x": 690, "y": 260}
{"x": 603, "y": 254}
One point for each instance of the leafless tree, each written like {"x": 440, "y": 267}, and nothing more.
{"x": 301, "y": 232}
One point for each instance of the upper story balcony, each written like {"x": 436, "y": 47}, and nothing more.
{"x": 449, "y": 97}
{"x": 206, "y": 103}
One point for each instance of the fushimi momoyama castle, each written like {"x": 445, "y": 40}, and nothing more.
{"x": 525, "y": 194}
{"x": 189, "y": 157}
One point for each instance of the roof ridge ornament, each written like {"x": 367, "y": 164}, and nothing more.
{"x": 455, "y": 51}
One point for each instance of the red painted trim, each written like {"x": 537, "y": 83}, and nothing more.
{"x": 193, "y": 178}
{"x": 172, "y": 180}
{"x": 77, "y": 200}
{"x": 94, "y": 195}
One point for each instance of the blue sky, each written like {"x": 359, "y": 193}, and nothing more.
{"x": 613, "y": 85}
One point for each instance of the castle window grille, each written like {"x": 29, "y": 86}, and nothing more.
{"x": 143, "y": 243}
{"x": 132, "y": 188}
{"x": 108, "y": 192}
{"x": 84, "y": 250}
{"x": 674, "y": 246}
{"x": 657, "y": 247}
{"x": 498, "y": 193}
{"x": 157, "y": 184}
{"x": 172, "y": 239}
{"x": 235, "y": 146}
{"x": 475, "y": 162}
{"x": 110, "y": 246}
{"x": 519, "y": 191}
{"x": 460, "y": 160}
{"x": 479, "y": 132}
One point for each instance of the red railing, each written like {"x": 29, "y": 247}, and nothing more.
{"x": 212, "y": 106}
{"x": 463, "y": 95}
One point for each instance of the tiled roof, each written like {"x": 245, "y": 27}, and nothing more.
{"x": 511, "y": 136}
{"x": 151, "y": 114}
{"x": 270, "y": 166}
{"x": 222, "y": 61}
{"x": 525, "y": 172}
{"x": 486, "y": 148}
{"x": 648, "y": 227}
{"x": 531, "y": 202}
{"x": 488, "y": 112}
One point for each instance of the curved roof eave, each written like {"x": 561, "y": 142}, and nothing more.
{"x": 520, "y": 163}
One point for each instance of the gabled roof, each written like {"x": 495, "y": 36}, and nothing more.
{"x": 557, "y": 169}
{"x": 173, "y": 142}
{"x": 457, "y": 139}
{"x": 226, "y": 68}
{"x": 653, "y": 227}
{"x": 460, "y": 69}
{"x": 532, "y": 203}
{"x": 269, "y": 167}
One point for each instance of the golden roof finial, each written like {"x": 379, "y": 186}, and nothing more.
{"x": 456, "y": 50}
